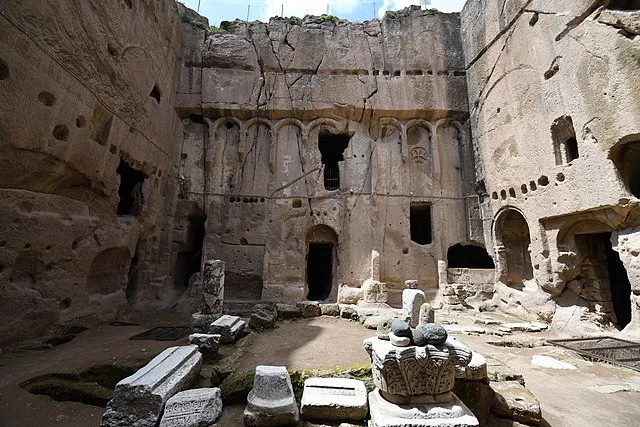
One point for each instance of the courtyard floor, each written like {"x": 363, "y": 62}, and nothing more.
{"x": 594, "y": 394}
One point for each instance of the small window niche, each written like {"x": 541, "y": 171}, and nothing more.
{"x": 130, "y": 190}
{"x": 100, "y": 125}
{"x": 420, "y": 223}
{"x": 332, "y": 146}
{"x": 565, "y": 144}
{"x": 626, "y": 158}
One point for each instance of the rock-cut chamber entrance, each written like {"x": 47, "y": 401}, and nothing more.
{"x": 321, "y": 263}
{"x": 605, "y": 273}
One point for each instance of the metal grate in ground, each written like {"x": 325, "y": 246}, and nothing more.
{"x": 163, "y": 333}
{"x": 613, "y": 350}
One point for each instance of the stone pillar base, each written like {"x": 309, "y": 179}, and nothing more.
{"x": 387, "y": 414}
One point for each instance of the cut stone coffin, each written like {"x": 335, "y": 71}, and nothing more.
{"x": 229, "y": 328}
{"x": 138, "y": 399}
{"x": 193, "y": 408}
{"x": 271, "y": 401}
{"x": 387, "y": 414}
{"x": 334, "y": 399}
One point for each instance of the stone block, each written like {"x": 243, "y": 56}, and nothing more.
{"x": 451, "y": 300}
{"x": 138, "y": 399}
{"x": 334, "y": 399}
{"x": 193, "y": 408}
{"x": 477, "y": 396}
{"x": 200, "y": 323}
{"x": 288, "y": 311}
{"x": 262, "y": 319}
{"x": 374, "y": 291}
{"x": 208, "y": 344}
{"x": 515, "y": 402}
{"x": 309, "y": 308}
{"x": 229, "y": 328}
{"x": 271, "y": 401}
{"x": 476, "y": 370}
{"x": 411, "y": 284}
{"x": 348, "y": 312}
{"x": 426, "y": 314}
{"x": 387, "y": 414}
{"x": 330, "y": 309}
{"x": 412, "y": 300}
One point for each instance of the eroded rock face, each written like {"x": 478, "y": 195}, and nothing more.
{"x": 321, "y": 142}
{"x": 554, "y": 137}
{"x": 88, "y": 163}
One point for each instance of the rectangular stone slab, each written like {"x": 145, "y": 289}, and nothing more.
{"x": 334, "y": 399}
{"x": 229, "y": 328}
{"x": 138, "y": 399}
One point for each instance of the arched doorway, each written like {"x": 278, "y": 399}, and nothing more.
{"x": 512, "y": 241}
{"x": 321, "y": 265}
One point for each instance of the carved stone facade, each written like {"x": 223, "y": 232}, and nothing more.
{"x": 293, "y": 149}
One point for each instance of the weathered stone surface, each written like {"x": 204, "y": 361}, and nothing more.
{"x": 138, "y": 400}
{"x": 208, "y": 344}
{"x": 449, "y": 414}
{"x": 200, "y": 323}
{"x": 309, "y": 308}
{"x": 433, "y": 333}
{"x": 374, "y": 291}
{"x": 412, "y": 300}
{"x": 347, "y": 312}
{"x": 399, "y": 341}
{"x": 230, "y": 328}
{"x": 417, "y": 337}
{"x": 551, "y": 363}
{"x": 411, "y": 284}
{"x": 477, "y": 395}
{"x": 288, "y": 311}
{"x": 514, "y": 401}
{"x": 271, "y": 401}
{"x": 426, "y": 314}
{"x": 476, "y": 370}
{"x": 330, "y": 309}
{"x": 334, "y": 399}
{"x": 212, "y": 287}
{"x": 498, "y": 371}
{"x": 262, "y": 319}
{"x": 384, "y": 329}
{"x": 374, "y": 321}
{"x": 199, "y": 407}
{"x": 400, "y": 328}
{"x": 404, "y": 372}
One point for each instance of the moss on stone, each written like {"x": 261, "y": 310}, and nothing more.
{"x": 236, "y": 387}
{"x": 231, "y": 355}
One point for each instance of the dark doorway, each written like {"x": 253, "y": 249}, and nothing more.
{"x": 624, "y": 4}
{"x": 618, "y": 282}
{"x": 420, "y": 223}
{"x": 626, "y": 158}
{"x": 130, "y": 190}
{"x": 188, "y": 261}
{"x": 319, "y": 270}
{"x": 468, "y": 256}
{"x": 331, "y": 148}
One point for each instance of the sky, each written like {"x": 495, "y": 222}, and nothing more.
{"x": 353, "y": 10}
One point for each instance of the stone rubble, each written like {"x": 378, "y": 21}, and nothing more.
{"x": 412, "y": 300}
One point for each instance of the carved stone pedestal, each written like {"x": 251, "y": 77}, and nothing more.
{"x": 387, "y": 414}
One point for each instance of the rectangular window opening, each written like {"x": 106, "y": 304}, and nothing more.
{"x": 420, "y": 220}
{"x": 332, "y": 148}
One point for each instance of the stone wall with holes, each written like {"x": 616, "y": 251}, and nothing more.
{"x": 255, "y": 100}
{"x": 87, "y": 93}
{"x": 555, "y": 119}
